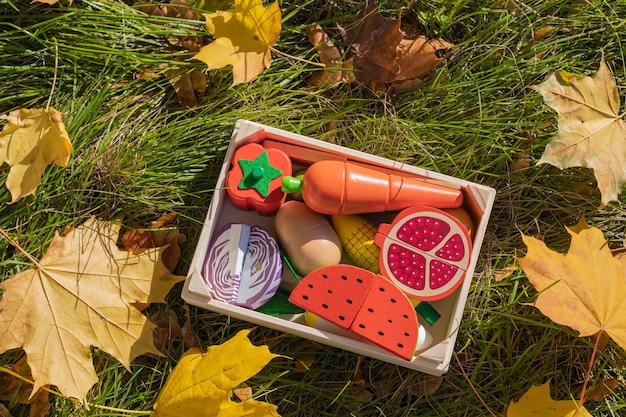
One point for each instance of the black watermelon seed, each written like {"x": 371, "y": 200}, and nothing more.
{"x": 310, "y": 285}
{"x": 343, "y": 277}
{"x": 362, "y": 326}
{"x": 393, "y": 300}
{"x": 349, "y": 301}
{"x": 389, "y": 320}
{"x": 306, "y": 297}
{"x": 400, "y": 345}
{"x": 370, "y": 309}
{"x": 359, "y": 280}
{"x": 407, "y": 334}
{"x": 324, "y": 276}
{"x": 405, "y": 316}
{"x": 330, "y": 291}
{"x": 325, "y": 305}
{"x": 342, "y": 318}
{"x": 381, "y": 289}
{"x": 381, "y": 333}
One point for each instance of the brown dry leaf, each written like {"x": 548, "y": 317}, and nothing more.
{"x": 426, "y": 386}
{"x": 29, "y": 142}
{"x": 168, "y": 329}
{"x": 331, "y": 58}
{"x": 592, "y": 131}
{"x": 605, "y": 388}
{"x": 160, "y": 233}
{"x": 178, "y": 9}
{"x": 543, "y": 33}
{"x": 11, "y": 386}
{"x": 188, "y": 335}
{"x": 243, "y": 392}
{"x": 4, "y": 412}
{"x": 49, "y": 2}
{"x": 186, "y": 84}
{"x": 385, "y": 59}
{"x": 503, "y": 273}
{"x": 584, "y": 288}
{"x": 81, "y": 295}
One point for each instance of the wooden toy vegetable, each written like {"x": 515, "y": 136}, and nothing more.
{"x": 337, "y": 187}
{"x": 425, "y": 252}
{"x": 306, "y": 237}
{"x": 254, "y": 180}
{"x": 243, "y": 266}
{"x": 357, "y": 234}
{"x": 363, "y": 302}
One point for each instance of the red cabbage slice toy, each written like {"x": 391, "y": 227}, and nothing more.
{"x": 425, "y": 252}
{"x": 243, "y": 265}
{"x": 365, "y": 303}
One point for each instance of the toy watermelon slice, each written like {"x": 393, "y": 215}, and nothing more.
{"x": 425, "y": 252}
{"x": 363, "y": 302}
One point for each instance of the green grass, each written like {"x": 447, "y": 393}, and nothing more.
{"x": 138, "y": 155}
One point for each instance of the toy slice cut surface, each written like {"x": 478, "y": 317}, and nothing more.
{"x": 365, "y": 303}
{"x": 387, "y": 318}
{"x": 334, "y": 293}
{"x": 425, "y": 252}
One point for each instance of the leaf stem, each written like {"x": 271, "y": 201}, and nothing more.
{"x": 467, "y": 378}
{"x": 56, "y": 70}
{"x": 591, "y": 361}
{"x": 18, "y": 247}
{"x": 317, "y": 64}
{"x": 102, "y": 407}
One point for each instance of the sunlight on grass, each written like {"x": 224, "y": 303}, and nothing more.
{"x": 139, "y": 154}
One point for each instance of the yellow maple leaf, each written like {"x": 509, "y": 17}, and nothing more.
{"x": 242, "y": 39}
{"x": 80, "y": 295}
{"x": 202, "y": 384}
{"x": 584, "y": 288}
{"x": 538, "y": 402}
{"x": 29, "y": 142}
{"x": 592, "y": 132}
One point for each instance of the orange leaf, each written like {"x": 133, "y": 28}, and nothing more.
{"x": 584, "y": 288}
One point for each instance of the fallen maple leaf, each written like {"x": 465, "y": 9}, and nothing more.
{"x": 177, "y": 9}
{"x": 243, "y": 39}
{"x": 538, "y": 402}
{"x": 592, "y": 132}
{"x": 337, "y": 70}
{"x": 385, "y": 58}
{"x": 602, "y": 390}
{"x": 29, "y": 142}
{"x": 13, "y": 388}
{"x": 80, "y": 295}
{"x": 583, "y": 289}
{"x": 202, "y": 384}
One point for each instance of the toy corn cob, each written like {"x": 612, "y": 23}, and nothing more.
{"x": 357, "y": 235}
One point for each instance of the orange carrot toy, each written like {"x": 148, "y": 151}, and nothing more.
{"x": 338, "y": 187}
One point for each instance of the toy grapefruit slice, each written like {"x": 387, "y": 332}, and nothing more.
{"x": 425, "y": 252}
